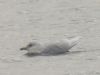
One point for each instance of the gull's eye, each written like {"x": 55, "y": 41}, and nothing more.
{"x": 30, "y": 45}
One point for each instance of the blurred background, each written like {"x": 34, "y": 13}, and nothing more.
{"x": 23, "y": 21}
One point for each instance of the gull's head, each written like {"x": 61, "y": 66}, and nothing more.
{"x": 30, "y": 45}
{"x": 33, "y": 47}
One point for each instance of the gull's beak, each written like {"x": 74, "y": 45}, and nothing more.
{"x": 23, "y": 48}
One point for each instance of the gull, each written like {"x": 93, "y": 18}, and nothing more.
{"x": 52, "y": 48}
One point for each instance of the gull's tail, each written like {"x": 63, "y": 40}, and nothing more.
{"x": 72, "y": 41}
